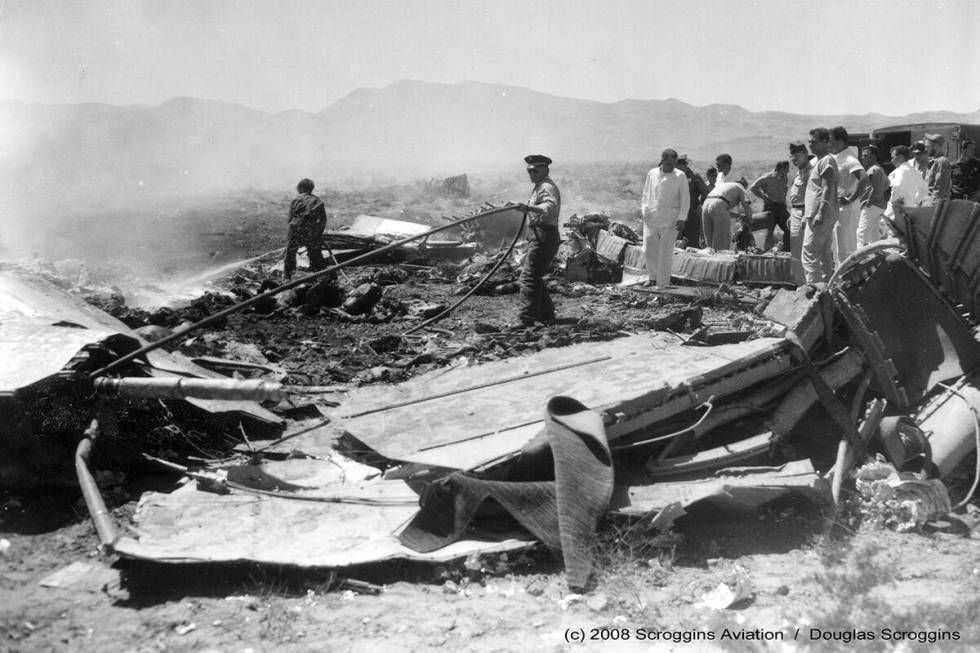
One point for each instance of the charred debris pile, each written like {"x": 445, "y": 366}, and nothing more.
{"x": 477, "y": 437}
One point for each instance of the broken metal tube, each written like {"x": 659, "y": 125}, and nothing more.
{"x": 188, "y": 388}
{"x": 949, "y": 421}
{"x": 90, "y": 491}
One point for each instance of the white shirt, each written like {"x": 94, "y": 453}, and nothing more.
{"x": 907, "y": 185}
{"x": 666, "y": 198}
{"x": 846, "y": 165}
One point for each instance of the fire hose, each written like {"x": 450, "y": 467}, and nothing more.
{"x": 486, "y": 277}
{"x": 184, "y": 333}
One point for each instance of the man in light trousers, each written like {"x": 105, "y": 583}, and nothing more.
{"x": 820, "y": 210}
{"x": 664, "y": 207}
{"x": 852, "y": 185}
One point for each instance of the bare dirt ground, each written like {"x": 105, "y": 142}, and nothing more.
{"x": 858, "y": 586}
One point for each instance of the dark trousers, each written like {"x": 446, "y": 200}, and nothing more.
{"x": 309, "y": 236}
{"x": 692, "y": 227}
{"x": 780, "y": 215}
{"x": 536, "y": 303}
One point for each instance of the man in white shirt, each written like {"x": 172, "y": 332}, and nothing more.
{"x": 852, "y": 186}
{"x": 870, "y": 224}
{"x": 908, "y": 186}
{"x": 664, "y": 207}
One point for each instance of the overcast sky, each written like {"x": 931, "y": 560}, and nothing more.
{"x": 834, "y": 56}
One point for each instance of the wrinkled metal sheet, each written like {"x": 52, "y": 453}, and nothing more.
{"x": 464, "y": 416}
{"x": 189, "y": 525}
{"x": 33, "y": 349}
{"x": 42, "y": 328}
{"x": 735, "y": 489}
{"x": 370, "y": 226}
{"x": 912, "y": 335}
{"x": 29, "y": 295}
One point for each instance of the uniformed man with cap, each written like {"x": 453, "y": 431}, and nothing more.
{"x": 543, "y": 240}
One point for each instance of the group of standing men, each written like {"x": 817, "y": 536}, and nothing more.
{"x": 835, "y": 203}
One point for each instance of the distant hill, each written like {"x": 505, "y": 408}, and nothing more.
{"x": 113, "y": 154}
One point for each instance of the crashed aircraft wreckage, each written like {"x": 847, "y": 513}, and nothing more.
{"x": 537, "y": 448}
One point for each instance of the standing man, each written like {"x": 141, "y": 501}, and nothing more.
{"x": 664, "y": 208}
{"x": 852, "y": 183}
{"x": 698, "y": 190}
{"x": 797, "y": 198}
{"x": 873, "y": 200}
{"x": 820, "y": 210}
{"x": 771, "y": 187}
{"x": 920, "y": 158}
{"x": 716, "y": 217}
{"x": 908, "y": 187}
{"x": 307, "y": 219}
{"x": 711, "y": 177}
{"x": 542, "y": 234}
{"x": 939, "y": 174}
{"x": 965, "y": 174}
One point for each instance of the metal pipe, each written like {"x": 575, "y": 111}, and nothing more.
{"x": 845, "y": 452}
{"x": 180, "y": 335}
{"x": 90, "y": 491}
{"x": 183, "y": 388}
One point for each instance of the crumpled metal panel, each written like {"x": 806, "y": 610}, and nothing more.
{"x": 43, "y": 327}
{"x": 461, "y": 417}
{"x": 913, "y": 338}
{"x": 735, "y": 489}
{"x": 189, "y": 525}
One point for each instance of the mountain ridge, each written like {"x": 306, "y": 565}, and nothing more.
{"x": 408, "y": 129}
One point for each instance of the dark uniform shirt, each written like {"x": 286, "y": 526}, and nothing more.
{"x": 307, "y": 210}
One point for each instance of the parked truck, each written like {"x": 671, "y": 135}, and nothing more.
{"x": 888, "y": 137}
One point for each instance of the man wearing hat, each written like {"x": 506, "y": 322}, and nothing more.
{"x": 939, "y": 175}
{"x": 664, "y": 207}
{"x": 542, "y": 234}
{"x": 307, "y": 219}
{"x": 800, "y": 157}
{"x": 920, "y": 158}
